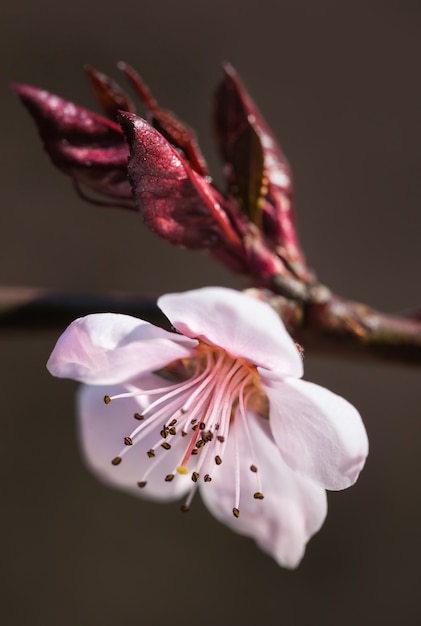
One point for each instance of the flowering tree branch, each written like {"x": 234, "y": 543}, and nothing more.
{"x": 154, "y": 166}
{"x": 334, "y": 326}
{"x": 210, "y": 395}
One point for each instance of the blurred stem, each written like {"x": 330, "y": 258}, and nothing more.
{"x": 33, "y": 309}
{"x": 334, "y": 327}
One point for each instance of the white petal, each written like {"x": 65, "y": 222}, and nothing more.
{"x": 318, "y": 433}
{"x": 242, "y": 325}
{"x": 102, "y": 429}
{"x": 109, "y": 348}
{"x": 293, "y": 508}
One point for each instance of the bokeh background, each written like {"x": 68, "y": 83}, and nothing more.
{"x": 339, "y": 84}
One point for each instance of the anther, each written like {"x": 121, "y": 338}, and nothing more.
{"x": 169, "y": 478}
{"x": 128, "y": 441}
{"x": 216, "y": 426}
{"x": 183, "y": 433}
{"x": 141, "y": 484}
{"x": 253, "y": 468}
{"x": 151, "y": 453}
{"x": 166, "y": 446}
{"x": 138, "y": 416}
{"x": 195, "y": 476}
{"x": 195, "y": 427}
{"x": 258, "y": 495}
{"x": 193, "y": 421}
{"x": 172, "y": 423}
{"x": 207, "y": 478}
{"x": 202, "y": 426}
{"x": 184, "y": 508}
{"x": 221, "y": 438}
{"x": 107, "y": 399}
{"x": 195, "y": 451}
{"x": 116, "y": 460}
{"x": 207, "y": 436}
{"x": 200, "y": 443}
{"x": 236, "y": 512}
{"x": 218, "y": 460}
{"x": 172, "y": 431}
{"x": 164, "y": 432}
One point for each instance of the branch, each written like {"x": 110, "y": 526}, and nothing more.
{"x": 34, "y": 309}
{"x": 333, "y": 326}
{"x": 342, "y": 328}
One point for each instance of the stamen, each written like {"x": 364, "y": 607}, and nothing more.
{"x": 149, "y": 424}
{"x": 186, "y": 506}
{"x": 245, "y": 424}
{"x": 236, "y": 474}
{"x": 202, "y": 405}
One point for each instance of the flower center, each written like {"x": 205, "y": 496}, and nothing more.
{"x": 215, "y": 389}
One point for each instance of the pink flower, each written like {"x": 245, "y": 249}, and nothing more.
{"x": 219, "y": 405}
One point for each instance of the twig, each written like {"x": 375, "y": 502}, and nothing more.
{"x": 334, "y": 326}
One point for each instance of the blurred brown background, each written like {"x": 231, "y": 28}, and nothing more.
{"x": 339, "y": 83}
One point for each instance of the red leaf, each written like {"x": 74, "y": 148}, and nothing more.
{"x": 175, "y": 202}
{"x": 84, "y": 145}
{"x": 173, "y": 129}
{"x": 258, "y": 172}
{"x": 109, "y": 95}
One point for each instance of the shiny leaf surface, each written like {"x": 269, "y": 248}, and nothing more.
{"x": 83, "y": 145}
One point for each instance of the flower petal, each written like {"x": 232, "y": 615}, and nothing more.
{"x": 293, "y": 508}
{"x": 102, "y": 429}
{"x": 318, "y": 433}
{"x": 110, "y": 348}
{"x": 242, "y": 325}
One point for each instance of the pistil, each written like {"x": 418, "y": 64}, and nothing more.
{"x": 202, "y": 407}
